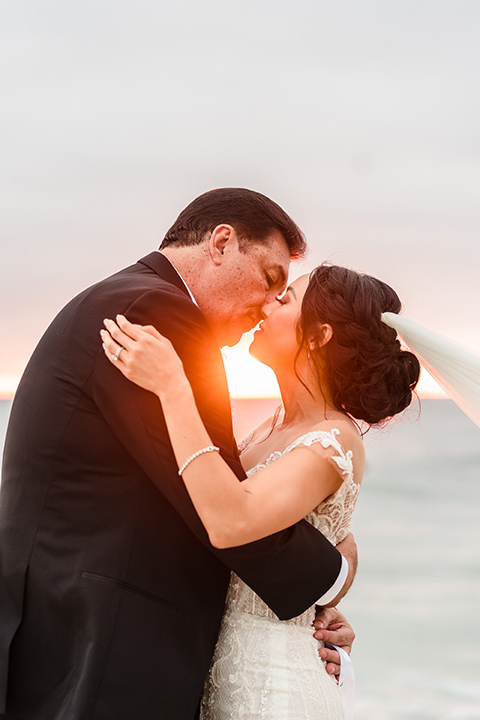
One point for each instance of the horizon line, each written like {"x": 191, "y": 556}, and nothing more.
{"x": 5, "y": 397}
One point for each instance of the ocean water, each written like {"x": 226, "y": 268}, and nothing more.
{"x": 415, "y": 604}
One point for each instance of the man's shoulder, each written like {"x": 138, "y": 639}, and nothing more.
{"x": 152, "y": 272}
{"x": 152, "y": 276}
{"x": 143, "y": 295}
{"x": 151, "y": 292}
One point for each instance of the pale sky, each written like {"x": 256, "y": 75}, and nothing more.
{"x": 360, "y": 118}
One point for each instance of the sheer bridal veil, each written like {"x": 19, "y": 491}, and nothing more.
{"x": 456, "y": 370}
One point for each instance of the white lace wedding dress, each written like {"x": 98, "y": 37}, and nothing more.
{"x": 270, "y": 669}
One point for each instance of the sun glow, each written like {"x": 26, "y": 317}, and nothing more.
{"x": 428, "y": 387}
{"x": 248, "y": 378}
{"x": 8, "y": 386}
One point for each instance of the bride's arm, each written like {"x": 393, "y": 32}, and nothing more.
{"x": 233, "y": 513}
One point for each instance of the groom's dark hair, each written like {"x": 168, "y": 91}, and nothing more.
{"x": 253, "y": 216}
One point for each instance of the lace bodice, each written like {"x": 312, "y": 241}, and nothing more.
{"x": 266, "y": 668}
{"x": 332, "y": 517}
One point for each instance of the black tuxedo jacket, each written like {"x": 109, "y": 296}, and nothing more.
{"x": 110, "y": 592}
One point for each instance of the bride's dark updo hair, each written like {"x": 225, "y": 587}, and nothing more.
{"x": 369, "y": 375}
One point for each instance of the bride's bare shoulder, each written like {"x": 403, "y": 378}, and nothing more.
{"x": 257, "y": 434}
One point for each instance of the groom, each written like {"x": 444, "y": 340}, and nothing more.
{"x": 110, "y": 592}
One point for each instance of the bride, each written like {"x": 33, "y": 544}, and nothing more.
{"x": 339, "y": 368}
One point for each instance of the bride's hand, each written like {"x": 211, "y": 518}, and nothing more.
{"x": 142, "y": 354}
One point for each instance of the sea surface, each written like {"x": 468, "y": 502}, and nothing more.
{"x": 415, "y": 604}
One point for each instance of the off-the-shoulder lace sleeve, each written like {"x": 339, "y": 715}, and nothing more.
{"x": 343, "y": 460}
{"x": 333, "y": 516}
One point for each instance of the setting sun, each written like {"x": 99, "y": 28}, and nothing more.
{"x": 248, "y": 378}
{"x": 8, "y": 386}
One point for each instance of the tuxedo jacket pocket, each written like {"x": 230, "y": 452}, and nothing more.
{"x": 131, "y": 589}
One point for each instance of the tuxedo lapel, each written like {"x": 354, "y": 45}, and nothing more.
{"x": 164, "y": 269}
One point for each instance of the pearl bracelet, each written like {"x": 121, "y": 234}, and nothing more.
{"x": 208, "y": 449}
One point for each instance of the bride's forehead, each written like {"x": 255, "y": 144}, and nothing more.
{"x": 300, "y": 284}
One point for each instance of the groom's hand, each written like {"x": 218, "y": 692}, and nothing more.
{"x": 332, "y": 627}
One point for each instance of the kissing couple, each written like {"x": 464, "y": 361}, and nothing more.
{"x": 139, "y": 578}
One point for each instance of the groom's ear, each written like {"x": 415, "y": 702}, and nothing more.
{"x": 221, "y": 238}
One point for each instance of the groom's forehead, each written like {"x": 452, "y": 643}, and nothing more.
{"x": 275, "y": 253}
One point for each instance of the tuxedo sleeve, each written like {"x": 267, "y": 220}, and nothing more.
{"x": 289, "y": 570}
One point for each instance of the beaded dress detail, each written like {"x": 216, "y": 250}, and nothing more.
{"x": 270, "y": 669}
